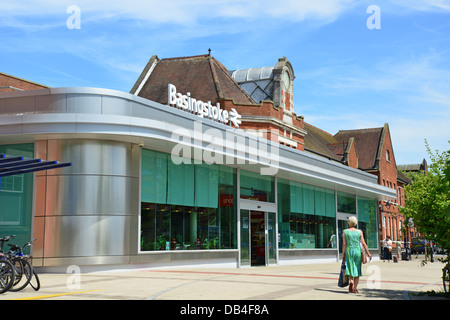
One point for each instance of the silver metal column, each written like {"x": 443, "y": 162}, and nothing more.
{"x": 89, "y": 208}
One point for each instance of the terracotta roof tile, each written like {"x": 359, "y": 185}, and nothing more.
{"x": 203, "y": 76}
{"x": 319, "y": 141}
{"x": 367, "y": 143}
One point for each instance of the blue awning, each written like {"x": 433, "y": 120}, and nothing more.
{"x": 12, "y": 165}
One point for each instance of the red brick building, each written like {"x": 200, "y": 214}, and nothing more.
{"x": 10, "y": 83}
{"x": 369, "y": 150}
{"x": 265, "y": 99}
{"x": 263, "y": 96}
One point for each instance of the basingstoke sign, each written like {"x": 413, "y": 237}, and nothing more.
{"x": 202, "y": 109}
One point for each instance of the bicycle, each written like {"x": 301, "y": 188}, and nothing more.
{"x": 23, "y": 273}
{"x": 7, "y": 274}
{"x": 21, "y": 267}
{"x": 33, "y": 278}
{"x": 22, "y": 263}
{"x": 446, "y": 277}
{"x": 7, "y": 270}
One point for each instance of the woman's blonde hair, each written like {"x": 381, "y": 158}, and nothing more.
{"x": 352, "y": 221}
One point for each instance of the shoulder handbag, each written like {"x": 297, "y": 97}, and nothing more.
{"x": 363, "y": 251}
{"x": 363, "y": 255}
{"x": 343, "y": 279}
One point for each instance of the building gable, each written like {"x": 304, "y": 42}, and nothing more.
{"x": 367, "y": 142}
{"x": 206, "y": 79}
{"x": 203, "y": 76}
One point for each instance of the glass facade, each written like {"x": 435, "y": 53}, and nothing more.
{"x": 346, "y": 202}
{"x": 186, "y": 206}
{"x": 366, "y": 211}
{"x": 306, "y": 215}
{"x": 254, "y": 186}
{"x": 367, "y": 220}
{"x": 16, "y": 198}
{"x": 194, "y": 207}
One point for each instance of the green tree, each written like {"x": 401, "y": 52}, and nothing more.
{"x": 428, "y": 200}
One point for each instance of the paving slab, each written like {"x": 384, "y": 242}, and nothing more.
{"x": 380, "y": 281}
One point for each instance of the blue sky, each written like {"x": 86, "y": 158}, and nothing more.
{"x": 347, "y": 75}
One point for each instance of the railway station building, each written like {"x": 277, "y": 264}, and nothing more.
{"x": 197, "y": 164}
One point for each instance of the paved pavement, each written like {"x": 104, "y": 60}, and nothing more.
{"x": 380, "y": 281}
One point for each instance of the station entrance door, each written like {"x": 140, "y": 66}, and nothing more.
{"x": 258, "y": 245}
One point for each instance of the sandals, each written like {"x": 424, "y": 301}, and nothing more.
{"x": 351, "y": 290}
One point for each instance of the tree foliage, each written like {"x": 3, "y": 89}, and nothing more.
{"x": 428, "y": 200}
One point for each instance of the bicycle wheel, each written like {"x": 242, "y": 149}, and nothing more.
{"x": 25, "y": 278}
{"x": 35, "y": 283}
{"x": 446, "y": 279}
{"x": 7, "y": 275}
{"x": 18, "y": 270}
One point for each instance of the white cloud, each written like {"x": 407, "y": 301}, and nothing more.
{"x": 299, "y": 10}
{"x": 433, "y": 96}
{"x": 408, "y": 133}
{"x": 423, "y": 5}
{"x": 181, "y": 11}
{"x": 411, "y": 91}
{"x": 408, "y": 136}
{"x": 153, "y": 24}
{"x": 187, "y": 12}
{"x": 411, "y": 94}
{"x": 415, "y": 79}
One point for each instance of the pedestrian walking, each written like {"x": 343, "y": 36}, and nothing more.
{"x": 332, "y": 242}
{"x": 387, "y": 249}
{"x": 352, "y": 246}
{"x": 398, "y": 251}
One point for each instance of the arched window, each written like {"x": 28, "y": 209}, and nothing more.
{"x": 388, "y": 159}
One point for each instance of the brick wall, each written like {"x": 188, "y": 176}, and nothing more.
{"x": 269, "y": 130}
{"x": 9, "y": 83}
{"x": 390, "y": 219}
{"x": 352, "y": 155}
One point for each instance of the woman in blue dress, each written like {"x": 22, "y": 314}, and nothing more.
{"x": 351, "y": 247}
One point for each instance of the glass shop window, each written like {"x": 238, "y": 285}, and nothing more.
{"x": 186, "y": 206}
